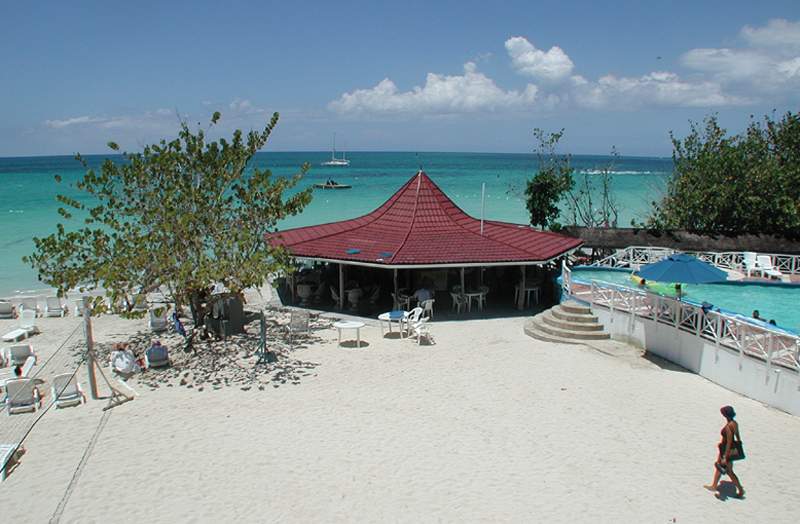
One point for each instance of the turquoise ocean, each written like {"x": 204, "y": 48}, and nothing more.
{"x": 28, "y": 191}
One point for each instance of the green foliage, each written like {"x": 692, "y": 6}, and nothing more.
{"x": 181, "y": 216}
{"x": 592, "y": 202}
{"x": 545, "y": 190}
{"x": 747, "y": 183}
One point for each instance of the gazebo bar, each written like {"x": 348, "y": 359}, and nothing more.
{"x": 421, "y": 234}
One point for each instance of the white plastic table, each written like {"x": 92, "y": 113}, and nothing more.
{"x": 478, "y": 296}
{"x": 393, "y": 316}
{"x": 529, "y": 290}
{"x": 349, "y": 324}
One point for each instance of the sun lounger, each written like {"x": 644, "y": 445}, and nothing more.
{"x": 22, "y": 396}
{"x": 764, "y": 264}
{"x": 6, "y": 310}
{"x": 17, "y": 355}
{"x": 29, "y": 304}
{"x": 53, "y": 307}
{"x": 27, "y": 327}
{"x": 140, "y": 302}
{"x": 749, "y": 263}
{"x": 67, "y": 391}
{"x": 6, "y": 454}
{"x": 7, "y": 373}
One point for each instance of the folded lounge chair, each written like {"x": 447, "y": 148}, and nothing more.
{"x": 22, "y": 396}
{"x": 66, "y": 391}
{"x": 53, "y": 307}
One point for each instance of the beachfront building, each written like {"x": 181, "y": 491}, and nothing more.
{"x": 420, "y": 238}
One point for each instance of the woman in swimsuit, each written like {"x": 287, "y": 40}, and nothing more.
{"x": 724, "y": 465}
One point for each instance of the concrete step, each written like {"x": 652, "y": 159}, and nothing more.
{"x": 572, "y": 317}
{"x": 574, "y": 307}
{"x": 533, "y": 332}
{"x": 541, "y": 325}
{"x": 550, "y": 318}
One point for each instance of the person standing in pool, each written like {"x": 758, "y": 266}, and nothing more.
{"x": 756, "y": 315}
{"x": 728, "y": 452}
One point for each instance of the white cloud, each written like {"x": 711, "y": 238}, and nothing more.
{"x": 768, "y": 64}
{"x": 551, "y": 65}
{"x": 777, "y": 33}
{"x": 442, "y": 94}
{"x": 240, "y": 106}
{"x": 78, "y": 120}
{"x": 659, "y": 88}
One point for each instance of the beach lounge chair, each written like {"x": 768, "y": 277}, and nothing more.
{"x": 7, "y": 374}
{"x": 29, "y": 304}
{"x": 749, "y": 263}
{"x": 67, "y": 391}
{"x": 27, "y": 327}
{"x": 6, "y": 310}
{"x": 22, "y": 396}
{"x": 158, "y": 320}
{"x": 7, "y": 452}
{"x": 764, "y": 264}
{"x": 53, "y": 307}
{"x": 139, "y": 302}
{"x": 17, "y": 355}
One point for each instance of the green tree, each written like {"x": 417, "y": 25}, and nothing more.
{"x": 735, "y": 184}
{"x": 545, "y": 190}
{"x": 179, "y": 216}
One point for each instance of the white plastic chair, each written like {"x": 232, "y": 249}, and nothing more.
{"x": 335, "y": 296}
{"x": 67, "y": 391}
{"x": 299, "y": 322}
{"x": 53, "y": 307}
{"x": 421, "y": 330}
{"x": 459, "y": 302}
{"x": 410, "y": 319}
{"x": 427, "y": 307}
{"x": 158, "y": 320}
{"x": 750, "y": 263}
{"x": 764, "y": 264}
{"x": 22, "y": 396}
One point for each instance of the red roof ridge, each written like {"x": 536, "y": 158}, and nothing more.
{"x": 420, "y": 173}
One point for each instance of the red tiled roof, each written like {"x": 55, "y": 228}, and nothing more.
{"x": 420, "y": 225}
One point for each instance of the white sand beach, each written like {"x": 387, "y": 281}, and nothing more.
{"x": 485, "y": 425}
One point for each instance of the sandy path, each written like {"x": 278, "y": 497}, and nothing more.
{"x": 485, "y": 425}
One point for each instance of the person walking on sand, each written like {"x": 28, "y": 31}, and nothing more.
{"x": 730, "y": 449}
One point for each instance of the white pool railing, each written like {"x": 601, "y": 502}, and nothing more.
{"x": 774, "y": 346}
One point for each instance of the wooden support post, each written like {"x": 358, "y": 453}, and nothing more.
{"x": 522, "y": 292}
{"x": 90, "y": 364}
{"x": 341, "y": 286}
{"x": 463, "y": 289}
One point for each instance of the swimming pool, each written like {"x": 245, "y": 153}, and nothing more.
{"x": 779, "y": 301}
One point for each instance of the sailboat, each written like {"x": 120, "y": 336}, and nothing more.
{"x": 341, "y": 162}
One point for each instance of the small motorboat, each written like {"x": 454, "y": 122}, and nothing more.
{"x": 332, "y": 185}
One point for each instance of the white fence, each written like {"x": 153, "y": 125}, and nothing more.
{"x": 775, "y": 347}
{"x": 748, "y": 358}
{"x": 636, "y": 256}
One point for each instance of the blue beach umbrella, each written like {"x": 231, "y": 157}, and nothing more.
{"x": 683, "y": 269}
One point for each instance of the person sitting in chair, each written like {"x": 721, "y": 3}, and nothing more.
{"x": 123, "y": 361}
{"x": 422, "y": 294}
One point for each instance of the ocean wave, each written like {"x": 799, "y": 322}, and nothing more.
{"x": 600, "y": 172}
{"x": 17, "y": 211}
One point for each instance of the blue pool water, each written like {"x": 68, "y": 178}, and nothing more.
{"x": 773, "y": 300}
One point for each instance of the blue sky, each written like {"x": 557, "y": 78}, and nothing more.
{"x": 408, "y": 76}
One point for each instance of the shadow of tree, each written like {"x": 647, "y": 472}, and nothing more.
{"x": 231, "y": 362}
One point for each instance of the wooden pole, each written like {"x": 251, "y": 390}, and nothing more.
{"x": 463, "y": 289}
{"x": 521, "y": 298}
{"x": 341, "y": 286}
{"x": 90, "y": 364}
